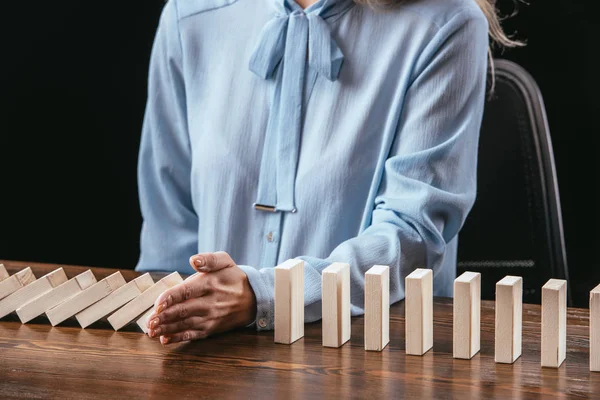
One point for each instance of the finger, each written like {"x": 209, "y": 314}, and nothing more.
{"x": 191, "y": 323}
{"x": 211, "y": 262}
{"x": 191, "y": 288}
{"x": 184, "y": 336}
{"x": 192, "y": 308}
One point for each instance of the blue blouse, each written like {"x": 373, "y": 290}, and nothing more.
{"x": 334, "y": 133}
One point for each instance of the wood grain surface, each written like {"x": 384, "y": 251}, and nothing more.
{"x": 39, "y": 361}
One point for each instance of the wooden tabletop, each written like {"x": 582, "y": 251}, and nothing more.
{"x": 39, "y": 361}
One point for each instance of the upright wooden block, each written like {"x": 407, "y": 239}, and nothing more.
{"x": 467, "y": 315}
{"x": 143, "y": 302}
{"x": 3, "y": 273}
{"x": 16, "y": 282}
{"x": 336, "y": 304}
{"x": 289, "y": 301}
{"x": 554, "y": 323}
{"x": 418, "y": 311}
{"x": 509, "y": 319}
{"x": 85, "y": 298}
{"x": 377, "y": 308}
{"x": 113, "y": 301}
{"x": 54, "y": 297}
{"x": 595, "y": 329}
{"x": 46, "y": 283}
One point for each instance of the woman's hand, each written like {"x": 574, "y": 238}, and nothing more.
{"x": 216, "y": 299}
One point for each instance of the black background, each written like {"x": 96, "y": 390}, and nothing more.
{"x": 73, "y": 89}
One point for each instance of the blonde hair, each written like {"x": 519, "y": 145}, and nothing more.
{"x": 497, "y": 36}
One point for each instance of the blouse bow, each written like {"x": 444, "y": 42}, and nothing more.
{"x": 281, "y": 54}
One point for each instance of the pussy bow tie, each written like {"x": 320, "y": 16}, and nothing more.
{"x": 281, "y": 54}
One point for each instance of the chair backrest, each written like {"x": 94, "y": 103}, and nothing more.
{"x": 515, "y": 227}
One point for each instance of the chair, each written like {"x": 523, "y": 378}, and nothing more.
{"x": 515, "y": 227}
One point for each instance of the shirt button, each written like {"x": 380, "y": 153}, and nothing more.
{"x": 262, "y": 323}
{"x": 270, "y": 237}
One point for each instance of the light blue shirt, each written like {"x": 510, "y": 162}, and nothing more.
{"x": 335, "y": 133}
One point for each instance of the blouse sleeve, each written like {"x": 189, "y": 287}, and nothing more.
{"x": 429, "y": 179}
{"x": 170, "y": 225}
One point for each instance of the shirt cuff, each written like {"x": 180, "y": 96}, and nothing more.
{"x": 264, "y": 294}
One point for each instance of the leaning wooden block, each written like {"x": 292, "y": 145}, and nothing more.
{"x": 509, "y": 319}
{"x": 595, "y": 329}
{"x": 24, "y": 295}
{"x": 143, "y": 302}
{"x": 113, "y": 301}
{"x": 377, "y": 308}
{"x": 54, "y": 297}
{"x": 86, "y": 298}
{"x": 554, "y": 323}
{"x": 143, "y": 320}
{"x": 467, "y": 314}
{"x": 289, "y": 301}
{"x": 336, "y": 304}
{"x": 418, "y": 311}
{"x": 16, "y": 282}
{"x": 3, "y": 273}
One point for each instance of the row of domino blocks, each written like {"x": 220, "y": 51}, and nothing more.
{"x": 82, "y": 297}
{"x": 289, "y": 313}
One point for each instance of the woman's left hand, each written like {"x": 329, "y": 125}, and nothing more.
{"x": 218, "y": 298}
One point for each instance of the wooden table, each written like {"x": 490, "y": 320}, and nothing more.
{"x": 39, "y": 361}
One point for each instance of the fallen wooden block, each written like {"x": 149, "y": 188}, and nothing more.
{"x": 554, "y": 323}
{"x": 115, "y": 300}
{"x": 54, "y": 297}
{"x": 85, "y": 298}
{"x": 143, "y": 320}
{"x": 377, "y": 308}
{"x": 336, "y": 304}
{"x": 595, "y": 329}
{"x": 509, "y": 319}
{"x": 289, "y": 301}
{"x": 418, "y": 311}
{"x": 16, "y": 282}
{"x": 43, "y": 285}
{"x": 143, "y": 302}
{"x": 3, "y": 273}
{"x": 467, "y": 315}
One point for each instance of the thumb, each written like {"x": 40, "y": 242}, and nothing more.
{"x": 211, "y": 262}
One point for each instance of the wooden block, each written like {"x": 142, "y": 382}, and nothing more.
{"x": 85, "y": 298}
{"x": 336, "y": 304}
{"x": 16, "y": 282}
{"x": 143, "y": 302}
{"x": 3, "y": 273}
{"x": 595, "y": 329}
{"x": 554, "y": 323}
{"x": 143, "y": 320}
{"x": 54, "y": 297}
{"x": 28, "y": 292}
{"x": 114, "y": 301}
{"x": 509, "y": 319}
{"x": 467, "y": 315}
{"x": 289, "y": 301}
{"x": 377, "y": 308}
{"x": 418, "y": 311}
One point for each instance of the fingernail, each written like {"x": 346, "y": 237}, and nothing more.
{"x": 157, "y": 331}
{"x": 198, "y": 262}
{"x": 162, "y": 306}
{"x": 165, "y": 339}
{"x": 154, "y": 323}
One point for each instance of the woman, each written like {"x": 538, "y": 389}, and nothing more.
{"x": 322, "y": 130}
